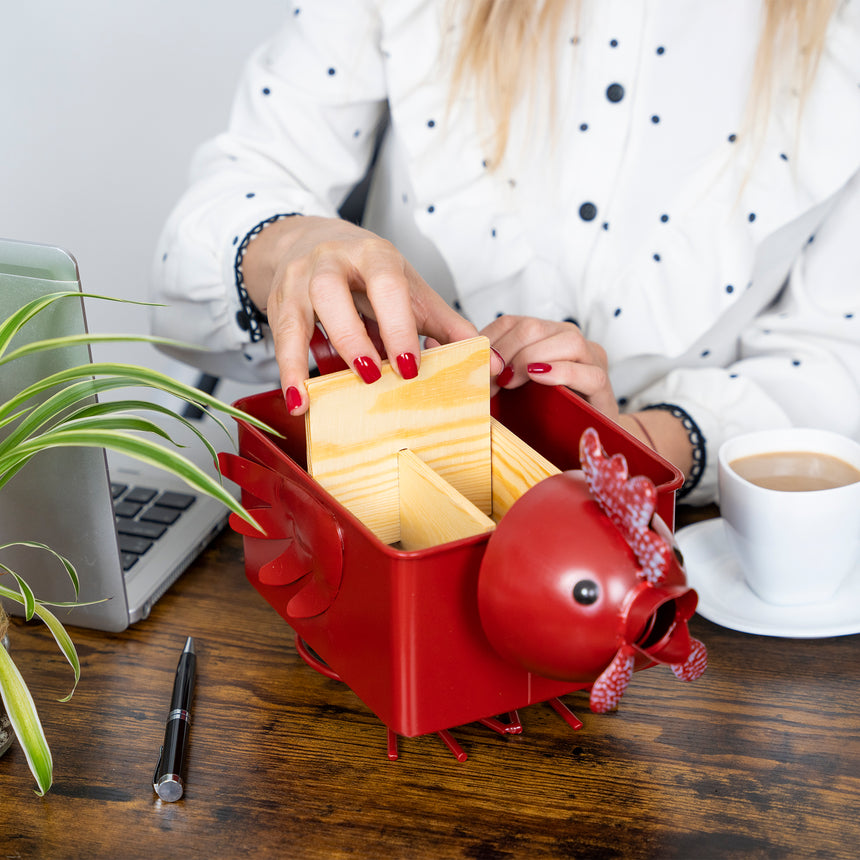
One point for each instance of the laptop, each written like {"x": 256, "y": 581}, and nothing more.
{"x": 129, "y": 528}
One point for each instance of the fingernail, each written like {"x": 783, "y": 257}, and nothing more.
{"x": 407, "y": 365}
{"x": 294, "y": 399}
{"x": 505, "y": 376}
{"x": 498, "y": 355}
{"x": 539, "y": 367}
{"x": 366, "y": 368}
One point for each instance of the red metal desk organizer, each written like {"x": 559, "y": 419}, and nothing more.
{"x": 564, "y": 593}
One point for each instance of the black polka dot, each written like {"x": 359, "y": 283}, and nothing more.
{"x": 164, "y": 260}
{"x": 484, "y": 164}
{"x": 733, "y": 376}
{"x": 242, "y": 320}
{"x": 457, "y": 305}
{"x": 729, "y": 288}
{"x": 357, "y": 133}
{"x": 616, "y": 312}
{"x": 656, "y": 257}
{"x": 431, "y": 209}
{"x": 296, "y": 11}
{"x": 587, "y": 211}
{"x": 266, "y": 91}
{"x": 732, "y": 138}
{"x": 783, "y": 156}
{"x": 664, "y": 217}
{"x": 848, "y": 316}
{"x": 331, "y": 71}
{"x": 615, "y": 92}
{"x": 583, "y": 126}
{"x": 235, "y": 240}
{"x": 661, "y": 50}
{"x": 251, "y": 194}
{"x": 795, "y": 362}
{"x": 655, "y": 119}
{"x": 431, "y": 123}
{"x": 751, "y": 217}
{"x": 605, "y": 225}
{"x": 613, "y": 43}
{"x": 705, "y": 353}
{"x": 499, "y": 314}
{"x": 493, "y": 232}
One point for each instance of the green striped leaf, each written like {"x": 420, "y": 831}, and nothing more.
{"x": 25, "y": 721}
{"x": 142, "y": 449}
{"x": 69, "y": 567}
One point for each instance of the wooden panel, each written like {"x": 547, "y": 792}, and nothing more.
{"x": 431, "y": 510}
{"x": 516, "y": 468}
{"x": 354, "y": 431}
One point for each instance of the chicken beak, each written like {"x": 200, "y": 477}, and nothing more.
{"x": 655, "y": 622}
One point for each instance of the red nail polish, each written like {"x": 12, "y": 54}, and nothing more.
{"x": 366, "y": 368}
{"x": 498, "y": 355}
{"x": 294, "y": 399}
{"x": 539, "y": 367}
{"x": 505, "y": 376}
{"x": 407, "y": 365}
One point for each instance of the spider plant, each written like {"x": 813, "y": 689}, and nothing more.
{"x": 61, "y": 410}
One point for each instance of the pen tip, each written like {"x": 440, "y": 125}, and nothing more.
{"x": 189, "y": 646}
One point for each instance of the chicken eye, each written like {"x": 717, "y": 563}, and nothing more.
{"x": 586, "y": 592}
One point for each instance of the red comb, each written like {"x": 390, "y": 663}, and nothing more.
{"x": 628, "y": 502}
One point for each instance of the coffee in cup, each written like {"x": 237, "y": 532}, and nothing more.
{"x": 790, "y": 500}
{"x": 795, "y": 471}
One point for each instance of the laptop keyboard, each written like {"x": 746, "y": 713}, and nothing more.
{"x": 143, "y": 516}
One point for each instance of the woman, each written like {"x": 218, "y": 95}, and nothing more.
{"x": 621, "y": 196}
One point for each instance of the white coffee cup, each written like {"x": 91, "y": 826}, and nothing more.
{"x": 793, "y": 547}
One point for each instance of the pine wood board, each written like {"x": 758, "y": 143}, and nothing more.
{"x": 355, "y": 430}
{"x": 516, "y": 468}
{"x": 432, "y": 512}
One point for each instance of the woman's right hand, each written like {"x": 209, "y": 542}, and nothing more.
{"x": 302, "y": 269}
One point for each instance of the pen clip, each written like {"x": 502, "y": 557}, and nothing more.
{"x": 157, "y": 770}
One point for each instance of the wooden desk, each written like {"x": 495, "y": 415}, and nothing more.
{"x": 758, "y": 758}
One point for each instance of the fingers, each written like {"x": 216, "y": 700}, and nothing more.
{"x": 551, "y": 353}
{"x": 342, "y": 275}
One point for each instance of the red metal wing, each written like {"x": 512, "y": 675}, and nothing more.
{"x": 310, "y": 549}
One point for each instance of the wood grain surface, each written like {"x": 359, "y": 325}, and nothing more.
{"x": 758, "y": 758}
{"x": 354, "y": 432}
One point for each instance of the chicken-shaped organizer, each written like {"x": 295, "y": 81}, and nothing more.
{"x": 429, "y": 551}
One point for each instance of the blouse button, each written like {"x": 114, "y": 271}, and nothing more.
{"x": 615, "y": 92}
{"x": 587, "y": 211}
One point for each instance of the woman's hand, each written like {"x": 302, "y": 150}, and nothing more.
{"x": 306, "y": 268}
{"x": 557, "y": 353}
{"x": 552, "y": 353}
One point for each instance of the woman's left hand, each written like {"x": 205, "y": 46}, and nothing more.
{"x": 552, "y": 353}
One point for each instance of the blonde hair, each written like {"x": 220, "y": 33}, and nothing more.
{"x": 502, "y": 38}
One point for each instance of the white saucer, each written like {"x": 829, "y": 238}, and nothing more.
{"x": 726, "y": 599}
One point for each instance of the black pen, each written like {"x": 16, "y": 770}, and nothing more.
{"x": 168, "y": 782}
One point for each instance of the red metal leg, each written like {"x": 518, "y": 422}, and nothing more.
{"x": 565, "y": 713}
{"x": 313, "y": 661}
{"x": 514, "y": 727}
{"x": 459, "y": 752}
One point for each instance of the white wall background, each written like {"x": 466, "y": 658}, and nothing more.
{"x": 102, "y": 103}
